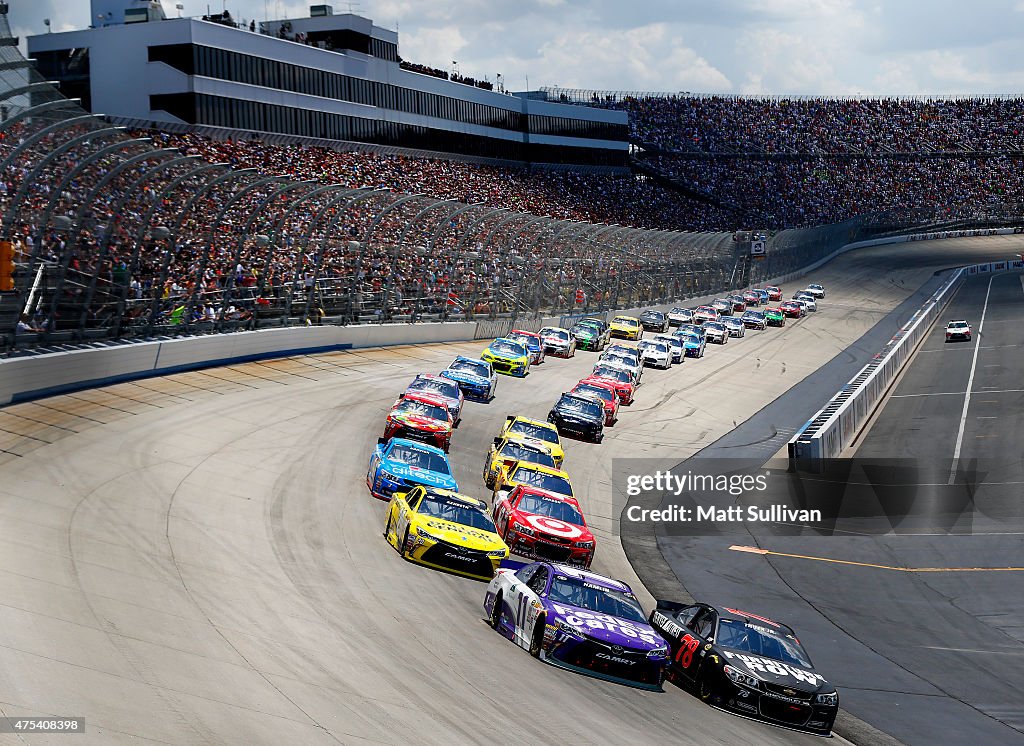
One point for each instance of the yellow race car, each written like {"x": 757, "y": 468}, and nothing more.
{"x": 628, "y": 327}
{"x": 507, "y": 356}
{"x": 524, "y": 428}
{"x": 506, "y": 450}
{"x": 534, "y": 475}
{"x": 445, "y": 530}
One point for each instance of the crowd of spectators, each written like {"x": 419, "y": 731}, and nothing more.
{"x": 825, "y": 126}
{"x": 437, "y": 73}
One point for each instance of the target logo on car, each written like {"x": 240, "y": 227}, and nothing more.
{"x": 554, "y": 526}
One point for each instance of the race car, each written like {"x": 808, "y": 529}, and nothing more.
{"x": 694, "y": 344}
{"x": 775, "y": 316}
{"x": 506, "y": 451}
{"x": 715, "y": 331}
{"x": 958, "y": 329}
{"x": 703, "y": 314}
{"x": 625, "y": 362}
{"x": 807, "y": 299}
{"x": 579, "y": 620}
{"x": 445, "y": 530}
{"x": 792, "y": 309}
{"x": 627, "y": 327}
{"x": 532, "y": 342}
{"x": 656, "y": 353}
{"x": 692, "y": 328}
{"x": 590, "y": 335}
{"x": 534, "y": 475}
{"x": 774, "y": 293}
{"x": 679, "y": 316}
{"x": 397, "y": 465}
{"x": 654, "y": 321}
{"x": 543, "y": 525}
{"x": 620, "y": 378}
{"x": 442, "y": 388}
{"x": 508, "y": 357}
{"x": 735, "y": 326}
{"x": 420, "y": 417}
{"x": 816, "y": 290}
{"x": 806, "y": 305}
{"x": 622, "y": 350}
{"x": 675, "y": 344}
{"x": 558, "y": 341}
{"x": 747, "y": 664}
{"x": 762, "y": 294}
{"x": 475, "y": 377}
{"x": 603, "y": 393}
{"x": 525, "y": 428}
{"x": 751, "y": 298}
{"x": 580, "y": 416}
{"x": 738, "y": 304}
{"x": 723, "y": 306}
{"x": 754, "y": 320}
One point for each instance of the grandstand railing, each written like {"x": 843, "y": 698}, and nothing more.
{"x": 594, "y": 97}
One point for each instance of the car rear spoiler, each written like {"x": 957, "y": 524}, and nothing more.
{"x": 511, "y": 564}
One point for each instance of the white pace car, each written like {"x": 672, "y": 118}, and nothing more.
{"x": 816, "y": 290}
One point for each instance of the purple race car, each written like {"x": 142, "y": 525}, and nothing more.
{"x": 579, "y": 620}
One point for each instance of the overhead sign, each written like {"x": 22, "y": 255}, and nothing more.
{"x": 757, "y": 248}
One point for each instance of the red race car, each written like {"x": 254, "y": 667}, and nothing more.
{"x": 543, "y": 525}
{"x": 420, "y": 417}
{"x": 531, "y": 341}
{"x": 774, "y": 293}
{"x": 792, "y": 309}
{"x": 704, "y": 314}
{"x": 620, "y": 378}
{"x": 601, "y": 391}
{"x": 751, "y": 298}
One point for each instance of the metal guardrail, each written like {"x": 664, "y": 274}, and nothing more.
{"x": 836, "y": 425}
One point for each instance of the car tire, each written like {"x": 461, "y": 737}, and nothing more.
{"x": 387, "y": 526}
{"x": 598, "y": 438}
{"x": 537, "y": 637}
{"x": 495, "y": 619}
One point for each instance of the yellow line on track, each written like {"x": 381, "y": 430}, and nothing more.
{"x": 758, "y": 550}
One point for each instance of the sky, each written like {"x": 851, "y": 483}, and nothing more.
{"x": 756, "y": 47}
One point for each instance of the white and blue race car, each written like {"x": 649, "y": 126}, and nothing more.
{"x": 398, "y": 465}
{"x": 475, "y": 377}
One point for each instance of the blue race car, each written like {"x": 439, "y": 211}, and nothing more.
{"x": 475, "y": 377}
{"x": 398, "y": 465}
{"x": 694, "y": 344}
{"x": 579, "y": 620}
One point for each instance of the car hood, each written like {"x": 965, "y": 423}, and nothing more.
{"x": 419, "y": 422}
{"x": 460, "y": 535}
{"x": 607, "y": 628}
{"x": 503, "y": 355}
{"x": 464, "y": 376}
{"x": 776, "y": 672}
{"x": 419, "y": 474}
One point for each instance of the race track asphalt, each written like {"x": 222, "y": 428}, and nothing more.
{"x": 195, "y": 559}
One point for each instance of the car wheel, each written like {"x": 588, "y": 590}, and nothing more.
{"x": 599, "y": 437}
{"x": 705, "y": 689}
{"x": 537, "y": 638}
{"x": 390, "y": 523}
{"x": 495, "y": 619}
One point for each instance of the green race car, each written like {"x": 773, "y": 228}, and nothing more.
{"x": 775, "y": 317}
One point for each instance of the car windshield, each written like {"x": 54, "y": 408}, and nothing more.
{"x": 421, "y": 409}
{"x": 622, "y": 359}
{"x": 653, "y": 315}
{"x": 523, "y": 339}
{"x": 423, "y": 459}
{"x": 592, "y": 597}
{"x": 531, "y": 430}
{"x": 679, "y": 310}
{"x": 470, "y": 366}
{"x": 520, "y": 452}
{"x": 454, "y": 510}
{"x": 508, "y": 348}
{"x": 777, "y": 644}
{"x": 616, "y": 374}
{"x": 715, "y": 326}
{"x": 597, "y": 391}
{"x": 557, "y": 509}
{"x": 690, "y": 337}
{"x": 656, "y": 346}
{"x": 541, "y": 480}
{"x": 623, "y": 321}
{"x": 584, "y": 329}
{"x": 756, "y": 315}
{"x": 444, "y": 388}
{"x": 580, "y": 406}
{"x": 559, "y": 333}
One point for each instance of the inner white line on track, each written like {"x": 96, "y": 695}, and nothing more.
{"x": 970, "y": 381}
{"x": 974, "y": 650}
{"x": 987, "y": 390}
